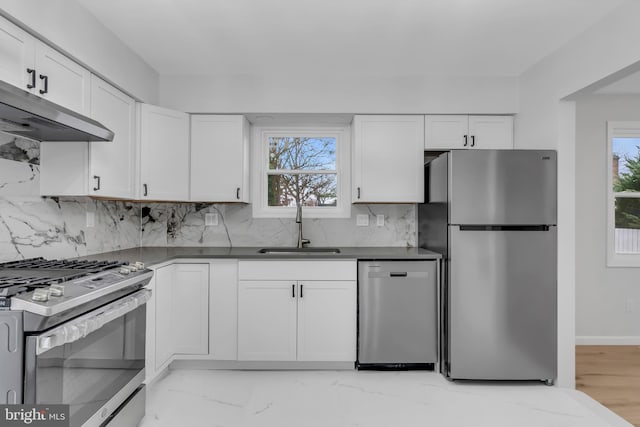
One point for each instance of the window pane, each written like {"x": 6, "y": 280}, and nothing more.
{"x": 627, "y": 231}
{"x": 302, "y": 153}
{"x": 308, "y": 189}
{"x": 626, "y": 164}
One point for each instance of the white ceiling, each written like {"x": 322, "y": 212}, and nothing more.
{"x": 352, "y": 37}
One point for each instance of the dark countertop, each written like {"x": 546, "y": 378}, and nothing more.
{"x": 157, "y": 255}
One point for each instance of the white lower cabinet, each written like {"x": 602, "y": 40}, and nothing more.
{"x": 327, "y": 321}
{"x": 190, "y": 308}
{"x": 163, "y": 331}
{"x": 223, "y": 310}
{"x": 267, "y": 320}
{"x": 300, "y": 317}
{"x": 177, "y": 315}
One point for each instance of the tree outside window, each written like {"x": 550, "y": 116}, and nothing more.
{"x": 302, "y": 171}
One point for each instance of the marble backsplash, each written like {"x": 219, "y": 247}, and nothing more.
{"x": 52, "y": 227}
{"x": 182, "y": 224}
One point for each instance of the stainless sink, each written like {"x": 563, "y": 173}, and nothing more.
{"x": 300, "y": 251}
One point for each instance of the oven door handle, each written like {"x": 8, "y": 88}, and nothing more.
{"x": 82, "y": 326}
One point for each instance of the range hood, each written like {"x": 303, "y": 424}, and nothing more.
{"x": 27, "y": 115}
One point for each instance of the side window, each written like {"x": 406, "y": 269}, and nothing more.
{"x": 623, "y": 194}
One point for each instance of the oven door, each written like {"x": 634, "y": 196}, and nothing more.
{"x": 92, "y": 363}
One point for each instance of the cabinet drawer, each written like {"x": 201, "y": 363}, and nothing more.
{"x": 298, "y": 270}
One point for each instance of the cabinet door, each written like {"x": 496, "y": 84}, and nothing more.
{"x": 64, "y": 168}
{"x": 267, "y": 320}
{"x": 17, "y": 53}
{"x": 491, "y": 132}
{"x": 327, "y": 321}
{"x": 219, "y": 158}
{"x": 164, "y": 322}
{"x": 388, "y": 159}
{"x": 444, "y": 132}
{"x": 190, "y": 308}
{"x": 61, "y": 80}
{"x": 164, "y": 146}
{"x": 112, "y": 164}
{"x": 223, "y": 313}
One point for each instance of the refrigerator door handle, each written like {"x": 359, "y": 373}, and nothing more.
{"x": 504, "y": 228}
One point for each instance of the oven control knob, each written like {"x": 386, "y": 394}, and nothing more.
{"x": 56, "y": 290}
{"x": 139, "y": 265}
{"x": 132, "y": 267}
{"x": 40, "y": 294}
{"x": 124, "y": 270}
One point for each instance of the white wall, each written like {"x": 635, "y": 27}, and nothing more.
{"x": 68, "y": 26}
{"x": 601, "y": 292}
{"x": 339, "y": 94}
{"x": 546, "y": 122}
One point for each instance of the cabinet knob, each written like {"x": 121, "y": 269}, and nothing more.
{"x": 45, "y": 83}
{"x": 97, "y": 187}
{"x": 32, "y": 73}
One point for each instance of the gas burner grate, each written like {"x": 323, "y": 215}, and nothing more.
{"x": 85, "y": 266}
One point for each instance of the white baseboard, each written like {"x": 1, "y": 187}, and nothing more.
{"x": 608, "y": 340}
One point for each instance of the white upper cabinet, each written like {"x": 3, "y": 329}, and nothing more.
{"x": 219, "y": 158}
{"x": 33, "y": 66}
{"x": 164, "y": 153}
{"x": 445, "y": 132}
{"x": 17, "y": 53}
{"x": 491, "y": 131}
{"x": 387, "y": 161}
{"x": 113, "y": 164}
{"x": 61, "y": 80}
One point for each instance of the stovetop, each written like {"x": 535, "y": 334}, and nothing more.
{"x": 38, "y": 272}
{"x": 48, "y": 287}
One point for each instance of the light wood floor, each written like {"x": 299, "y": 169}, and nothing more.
{"x": 611, "y": 375}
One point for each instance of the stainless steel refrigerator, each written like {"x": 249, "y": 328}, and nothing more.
{"x": 492, "y": 214}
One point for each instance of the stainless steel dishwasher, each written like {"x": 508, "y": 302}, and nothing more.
{"x": 397, "y": 314}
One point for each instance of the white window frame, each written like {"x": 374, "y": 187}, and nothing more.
{"x": 260, "y": 163}
{"x": 618, "y": 130}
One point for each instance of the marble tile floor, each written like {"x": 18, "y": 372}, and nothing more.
{"x": 192, "y": 398}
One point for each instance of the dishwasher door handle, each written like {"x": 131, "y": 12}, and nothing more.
{"x": 398, "y": 274}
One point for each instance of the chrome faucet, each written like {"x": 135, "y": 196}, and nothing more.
{"x": 301, "y": 241}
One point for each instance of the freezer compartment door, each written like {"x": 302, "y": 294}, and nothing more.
{"x": 502, "y": 187}
{"x": 397, "y": 312}
{"x": 502, "y": 304}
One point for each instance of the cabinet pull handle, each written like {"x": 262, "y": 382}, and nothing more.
{"x": 238, "y": 193}
{"x": 45, "y": 81}
{"x": 32, "y": 83}
{"x": 466, "y": 141}
{"x": 301, "y": 291}
{"x": 145, "y": 188}
{"x": 293, "y": 291}
{"x": 358, "y": 192}
{"x": 97, "y": 187}
{"x": 473, "y": 140}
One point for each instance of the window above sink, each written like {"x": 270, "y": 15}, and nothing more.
{"x": 301, "y": 165}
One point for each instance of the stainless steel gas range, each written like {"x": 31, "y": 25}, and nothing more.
{"x": 73, "y": 333}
